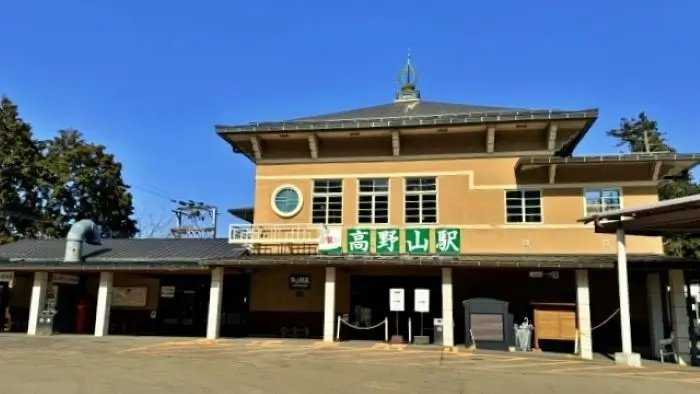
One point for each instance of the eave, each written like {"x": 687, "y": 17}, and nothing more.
{"x": 678, "y": 216}
{"x": 246, "y": 213}
{"x": 407, "y": 121}
{"x": 530, "y": 261}
{"x": 675, "y": 163}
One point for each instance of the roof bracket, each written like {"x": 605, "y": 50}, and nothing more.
{"x": 490, "y": 139}
{"x": 657, "y": 171}
{"x": 313, "y": 146}
{"x": 395, "y": 143}
{"x": 552, "y": 173}
{"x": 552, "y": 137}
{"x": 257, "y": 150}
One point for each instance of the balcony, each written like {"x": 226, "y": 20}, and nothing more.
{"x": 274, "y": 234}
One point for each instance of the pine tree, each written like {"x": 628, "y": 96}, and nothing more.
{"x": 642, "y": 135}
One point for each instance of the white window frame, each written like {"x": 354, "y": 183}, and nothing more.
{"x": 601, "y": 190}
{"x": 296, "y": 210}
{"x": 374, "y": 195}
{"x": 327, "y": 195}
{"x": 421, "y": 193}
{"x": 523, "y": 206}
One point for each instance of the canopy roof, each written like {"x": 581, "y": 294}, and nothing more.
{"x": 669, "y": 217}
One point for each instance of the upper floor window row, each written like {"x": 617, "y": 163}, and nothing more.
{"x": 420, "y": 202}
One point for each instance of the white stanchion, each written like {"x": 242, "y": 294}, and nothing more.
{"x": 386, "y": 330}
{"x": 410, "y": 330}
{"x": 337, "y": 330}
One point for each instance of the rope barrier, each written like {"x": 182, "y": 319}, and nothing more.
{"x": 384, "y": 322}
{"x": 363, "y": 328}
{"x": 579, "y": 334}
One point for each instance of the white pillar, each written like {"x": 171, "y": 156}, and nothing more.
{"x": 583, "y": 315}
{"x": 448, "y": 327}
{"x": 679, "y": 316}
{"x": 36, "y": 304}
{"x": 104, "y": 304}
{"x": 216, "y": 290}
{"x": 626, "y": 356}
{"x": 329, "y": 306}
{"x": 655, "y": 312}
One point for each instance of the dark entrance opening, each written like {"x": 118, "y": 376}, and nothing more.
{"x": 184, "y": 312}
{"x": 15, "y": 302}
{"x": 235, "y": 306}
{"x": 75, "y": 298}
{"x": 369, "y": 305}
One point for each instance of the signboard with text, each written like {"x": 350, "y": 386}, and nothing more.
{"x": 397, "y": 300}
{"x": 443, "y": 241}
{"x": 421, "y": 301}
{"x": 299, "y": 282}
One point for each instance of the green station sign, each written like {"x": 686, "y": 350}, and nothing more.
{"x": 389, "y": 241}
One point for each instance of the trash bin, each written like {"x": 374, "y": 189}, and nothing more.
{"x": 523, "y": 336}
{"x": 44, "y": 326}
{"x": 437, "y": 332}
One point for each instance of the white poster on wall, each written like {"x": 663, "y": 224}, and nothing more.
{"x": 422, "y": 301}
{"x": 396, "y": 300}
{"x": 167, "y": 292}
{"x": 65, "y": 279}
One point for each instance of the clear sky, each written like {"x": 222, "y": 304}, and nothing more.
{"x": 150, "y": 79}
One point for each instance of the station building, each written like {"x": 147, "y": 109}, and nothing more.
{"x": 468, "y": 202}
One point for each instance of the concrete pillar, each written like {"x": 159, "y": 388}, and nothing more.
{"x": 625, "y": 357}
{"x": 36, "y": 304}
{"x": 448, "y": 327}
{"x": 656, "y": 312}
{"x": 679, "y": 316}
{"x": 216, "y": 290}
{"x": 583, "y": 315}
{"x": 329, "y": 306}
{"x": 104, "y": 304}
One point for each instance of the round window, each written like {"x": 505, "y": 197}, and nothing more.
{"x": 286, "y": 201}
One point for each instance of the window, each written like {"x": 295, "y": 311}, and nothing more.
{"x": 523, "y": 206}
{"x": 327, "y": 202}
{"x": 420, "y": 200}
{"x": 601, "y": 200}
{"x": 373, "y": 201}
{"x": 286, "y": 201}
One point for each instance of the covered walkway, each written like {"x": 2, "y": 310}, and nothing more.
{"x": 680, "y": 216}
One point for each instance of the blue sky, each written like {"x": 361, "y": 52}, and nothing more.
{"x": 150, "y": 79}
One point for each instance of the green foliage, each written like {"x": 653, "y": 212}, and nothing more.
{"x": 631, "y": 135}
{"x": 45, "y": 185}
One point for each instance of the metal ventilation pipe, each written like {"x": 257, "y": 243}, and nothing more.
{"x": 84, "y": 230}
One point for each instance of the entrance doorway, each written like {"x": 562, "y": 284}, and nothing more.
{"x": 75, "y": 299}
{"x": 369, "y": 305}
{"x": 235, "y": 306}
{"x": 185, "y": 312}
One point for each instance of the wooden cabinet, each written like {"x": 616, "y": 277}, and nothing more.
{"x": 554, "y": 321}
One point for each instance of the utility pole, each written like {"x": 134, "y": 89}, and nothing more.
{"x": 195, "y": 220}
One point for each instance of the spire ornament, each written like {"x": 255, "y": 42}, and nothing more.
{"x": 408, "y": 78}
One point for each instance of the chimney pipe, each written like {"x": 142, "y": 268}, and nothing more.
{"x": 84, "y": 230}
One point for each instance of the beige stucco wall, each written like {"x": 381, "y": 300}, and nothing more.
{"x": 471, "y": 197}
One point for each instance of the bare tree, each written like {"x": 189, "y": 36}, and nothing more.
{"x": 155, "y": 225}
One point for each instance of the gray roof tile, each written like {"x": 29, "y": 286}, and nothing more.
{"x": 402, "y": 109}
{"x": 125, "y": 250}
